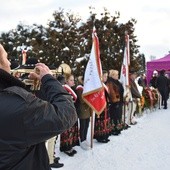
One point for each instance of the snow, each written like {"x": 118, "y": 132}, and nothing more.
{"x": 144, "y": 146}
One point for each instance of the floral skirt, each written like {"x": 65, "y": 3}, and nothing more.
{"x": 102, "y": 126}
{"x": 69, "y": 138}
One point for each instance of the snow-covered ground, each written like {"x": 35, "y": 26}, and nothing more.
{"x": 144, "y": 146}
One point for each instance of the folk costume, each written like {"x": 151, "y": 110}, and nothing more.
{"x": 70, "y": 138}
{"x": 102, "y": 126}
{"x": 116, "y": 91}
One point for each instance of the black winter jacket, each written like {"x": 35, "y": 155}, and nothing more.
{"x": 162, "y": 83}
{"x": 26, "y": 122}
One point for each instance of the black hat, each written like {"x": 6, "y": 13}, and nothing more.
{"x": 162, "y": 72}
{"x": 30, "y": 64}
{"x": 31, "y": 61}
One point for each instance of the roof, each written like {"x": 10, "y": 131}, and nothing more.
{"x": 163, "y": 59}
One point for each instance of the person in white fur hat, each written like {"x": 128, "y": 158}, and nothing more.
{"x": 154, "y": 78}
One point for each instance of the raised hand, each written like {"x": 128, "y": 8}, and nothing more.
{"x": 40, "y": 70}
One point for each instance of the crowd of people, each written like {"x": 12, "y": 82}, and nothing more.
{"x": 31, "y": 122}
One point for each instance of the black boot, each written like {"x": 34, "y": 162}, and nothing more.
{"x": 56, "y": 165}
{"x": 116, "y": 132}
{"x": 103, "y": 140}
{"x": 69, "y": 153}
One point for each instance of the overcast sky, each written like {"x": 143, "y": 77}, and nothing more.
{"x": 152, "y": 28}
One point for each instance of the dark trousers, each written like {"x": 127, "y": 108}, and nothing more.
{"x": 164, "y": 98}
{"x": 84, "y": 125}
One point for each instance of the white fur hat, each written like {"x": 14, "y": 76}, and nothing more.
{"x": 155, "y": 72}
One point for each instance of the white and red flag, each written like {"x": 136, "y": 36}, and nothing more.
{"x": 93, "y": 91}
{"x": 124, "y": 74}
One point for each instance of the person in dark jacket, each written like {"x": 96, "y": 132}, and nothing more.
{"x": 26, "y": 121}
{"x": 162, "y": 84}
{"x": 167, "y": 75}
{"x": 154, "y": 79}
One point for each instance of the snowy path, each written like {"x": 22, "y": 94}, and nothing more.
{"x": 145, "y": 146}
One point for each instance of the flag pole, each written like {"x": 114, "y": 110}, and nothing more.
{"x": 92, "y": 129}
{"x": 124, "y": 111}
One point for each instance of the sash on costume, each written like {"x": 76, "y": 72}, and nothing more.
{"x": 70, "y": 91}
{"x": 79, "y": 87}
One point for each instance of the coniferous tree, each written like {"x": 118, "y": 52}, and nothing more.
{"x": 66, "y": 40}
{"x": 63, "y": 37}
{"x": 111, "y": 36}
